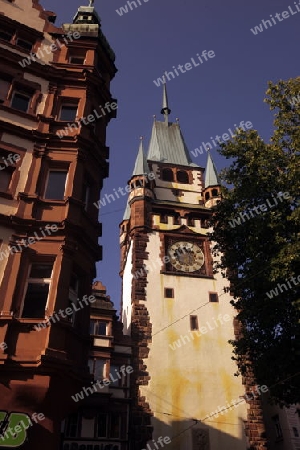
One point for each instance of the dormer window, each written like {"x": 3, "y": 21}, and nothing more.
{"x": 167, "y": 175}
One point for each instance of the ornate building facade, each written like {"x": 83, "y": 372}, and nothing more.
{"x": 54, "y": 109}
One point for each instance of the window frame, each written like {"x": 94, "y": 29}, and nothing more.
{"x": 66, "y": 104}
{"x": 194, "y": 326}
{"x": 210, "y": 296}
{"x": 55, "y": 169}
{"x": 95, "y": 325}
{"x": 30, "y": 280}
{"x": 170, "y": 172}
{"x": 96, "y": 433}
{"x": 5, "y": 151}
{"x": 78, "y": 421}
{"x": 168, "y": 291}
{"x": 24, "y": 94}
{"x": 186, "y": 177}
{"x": 278, "y": 428}
{"x": 92, "y": 361}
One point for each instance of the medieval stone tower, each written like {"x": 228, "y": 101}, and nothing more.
{"x": 186, "y": 396}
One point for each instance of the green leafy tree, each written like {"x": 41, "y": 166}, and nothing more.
{"x": 256, "y": 229}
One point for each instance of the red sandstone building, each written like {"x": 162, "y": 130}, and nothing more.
{"x": 50, "y": 79}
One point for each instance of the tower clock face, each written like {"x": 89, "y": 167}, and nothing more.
{"x": 186, "y": 256}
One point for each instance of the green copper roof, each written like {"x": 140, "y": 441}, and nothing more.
{"x": 211, "y": 174}
{"x": 141, "y": 166}
{"x": 126, "y": 215}
{"x": 167, "y": 145}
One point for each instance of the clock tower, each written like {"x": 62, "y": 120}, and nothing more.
{"x": 185, "y": 394}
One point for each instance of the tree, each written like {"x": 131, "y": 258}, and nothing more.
{"x": 256, "y": 230}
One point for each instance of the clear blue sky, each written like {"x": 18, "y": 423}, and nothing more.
{"x": 208, "y": 99}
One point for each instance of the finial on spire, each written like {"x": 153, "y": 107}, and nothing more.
{"x": 91, "y": 3}
{"x": 165, "y": 106}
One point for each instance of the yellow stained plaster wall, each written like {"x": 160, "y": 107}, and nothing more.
{"x": 191, "y": 381}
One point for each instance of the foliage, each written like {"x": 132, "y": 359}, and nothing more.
{"x": 264, "y": 249}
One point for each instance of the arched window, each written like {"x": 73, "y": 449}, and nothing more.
{"x": 182, "y": 177}
{"x": 207, "y": 196}
{"x": 215, "y": 193}
{"x": 167, "y": 175}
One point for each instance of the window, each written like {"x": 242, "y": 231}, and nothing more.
{"x": 76, "y": 59}
{"x": 296, "y": 432}
{"x": 194, "y": 323}
{"x": 182, "y": 177}
{"x": 5, "y": 178}
{"x": 215, "y": 193}
{"x": 213, "y": 297}
{"x": 4, "y": 88}
{"x": 55, "y": 189}
{"x": 207, "y": 196}
{"x": 163, "y": 218}
{"x": 86, "y": 192}
{"x": 117, "y": 377}
{"x": 6, "y": 35}
{"x": 68, "y": 113}
{"x": 115, "y": 426}
{"x": 101, "y": 425}
{"x": 167, "y": 175}
{"x": 72, "y": 426}
{"x": 37, "y": 291}
{"x": 20, "y": 101}
{"x": 98, "y": 327}
{"x": 97, "y": 367}
{"x": 26, "y": 45}
{"x": 278, "y": 428}
{"x": 169, "y": 293}
{"x": 73, "y": 293}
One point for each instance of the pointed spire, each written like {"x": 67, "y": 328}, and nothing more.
{"x": 165, "y": 106}
{"x": 211, "y": 173}
{"x": 141, "y": 165}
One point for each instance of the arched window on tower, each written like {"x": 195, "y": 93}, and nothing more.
{"x": 167, "y": 175}
{"x": 207, "y": 196}
{"x": 182, "y": 177}
{"x": 215, "y": 193}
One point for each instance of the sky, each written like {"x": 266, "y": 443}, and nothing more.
{"x": 208, "y": 99}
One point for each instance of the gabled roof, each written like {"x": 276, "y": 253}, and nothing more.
{"x": 167, "y": 145}
{"x": 211, "y": 174}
